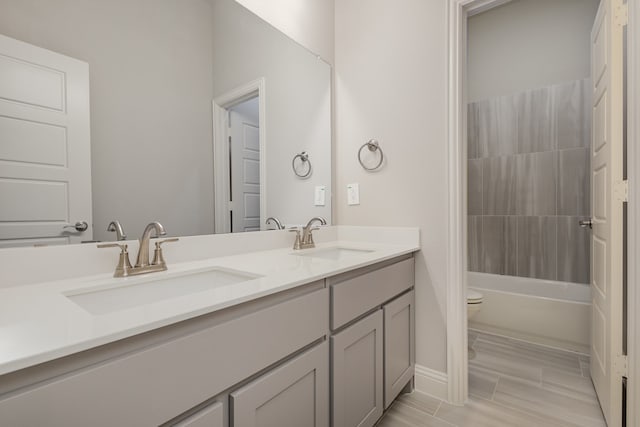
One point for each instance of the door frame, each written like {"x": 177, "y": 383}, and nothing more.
{"x": 457, "y": 364}
{"x": 633, "y": 219}
{"x": 221, "y": 194}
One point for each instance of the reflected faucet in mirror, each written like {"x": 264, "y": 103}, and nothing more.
{"x": 124, "y": 268}
{"x": 117, "y": 227}
{"x": 276, "y": 221}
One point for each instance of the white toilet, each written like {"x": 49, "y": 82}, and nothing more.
{"x": 474, "y": 302}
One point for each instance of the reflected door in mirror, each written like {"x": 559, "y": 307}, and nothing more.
{"x": 245, "y": 166}
{"x": 45, "y": 164}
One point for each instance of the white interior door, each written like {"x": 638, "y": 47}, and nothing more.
{"x": 45, "y": 160}
{"x": 245, "y": 166}
{"x": 607, "y": 360}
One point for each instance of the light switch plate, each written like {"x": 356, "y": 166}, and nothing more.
{"x": 320, "y": 195}
{"x": 353, "y": 194}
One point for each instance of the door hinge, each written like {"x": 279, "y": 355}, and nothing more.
{"x": 620, "y": 365}
{"x": 621, "y": 15}
{"x": 621, "y": 191}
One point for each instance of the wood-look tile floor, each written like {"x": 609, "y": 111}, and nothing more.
{"x": 511, "y": 384}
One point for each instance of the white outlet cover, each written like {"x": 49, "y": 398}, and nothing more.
{"x": 353, "y": 194}
{"x": 320, "y": 195}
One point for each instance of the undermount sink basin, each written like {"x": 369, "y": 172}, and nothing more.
{"x": 333, "y": 253}
{"x": 139, "y": 291}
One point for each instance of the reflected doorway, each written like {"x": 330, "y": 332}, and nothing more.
{"x": 239, "y": 159}
{"x": 244, "y": 166}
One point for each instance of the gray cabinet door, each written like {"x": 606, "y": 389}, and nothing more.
{"x": 294, "y": 394}
{"x": 399, "y": 345}
{"x": 211, "y": 416}
{"x": 357, "y": 373}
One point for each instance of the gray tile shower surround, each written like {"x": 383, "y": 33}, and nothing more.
{"x": 528, "y": 183}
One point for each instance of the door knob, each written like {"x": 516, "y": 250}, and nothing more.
{"x": 584, "y": 223}
{"x": 79, "y": 226}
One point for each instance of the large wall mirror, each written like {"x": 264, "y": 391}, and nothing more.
{"x": 197, "y": 110}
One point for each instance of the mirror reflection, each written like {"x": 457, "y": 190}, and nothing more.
{"x": 186, "y": 112}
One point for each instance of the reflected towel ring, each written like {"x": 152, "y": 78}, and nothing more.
{"x": 304, "y": 158}
{"x": 372, "y": 145}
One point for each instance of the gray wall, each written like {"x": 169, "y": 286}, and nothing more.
{"x": 298, "y": 105}
{"x": 151, "y": 146}
{"x": 390, "y": 84}
{"x": 526, "y": 44}
{"x": 309, "y": 22}
{"x": 529, "y": 183}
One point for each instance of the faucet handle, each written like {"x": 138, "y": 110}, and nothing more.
{"x": 124, "y": 265}
{"x": 296, "y": 244}
{"x": 158, "y": 259}
{"x": 123, "y": 247}
{"x": 159, "y": 242}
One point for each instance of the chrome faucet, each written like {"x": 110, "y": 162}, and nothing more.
{"x": 117, "y": 227}
{"x": 124, "y": 268}
{"x": 306, "y": 240}
{"x": 276, "y": 221}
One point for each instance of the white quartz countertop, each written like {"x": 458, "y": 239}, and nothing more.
{"x": 39, "y": 323}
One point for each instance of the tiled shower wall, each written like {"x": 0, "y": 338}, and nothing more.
{"x": 529, "y": 183}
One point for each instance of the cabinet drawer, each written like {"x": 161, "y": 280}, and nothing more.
{"x": 355, "y": 296}
{"x": 211, "y": 416}
{"x": 294, "y": 394}
{"x": 149, "y": 387}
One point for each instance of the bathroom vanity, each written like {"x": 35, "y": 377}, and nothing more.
{"x": 307, "y": 338}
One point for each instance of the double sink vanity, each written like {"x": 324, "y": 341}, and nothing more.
{"x": 240, "y": 330}
{"x": 225, "y": 329}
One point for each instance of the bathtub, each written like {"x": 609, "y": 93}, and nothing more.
{"x": 556, "y": 314}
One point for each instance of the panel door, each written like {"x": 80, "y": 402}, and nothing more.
{"x": 399, "y": 345}
{"x": 245, "y": 166}
{"x": 607, "y": 210}
{"x": 45, "y": 160}
{"x": 294, "y": 394}
{"x": 357, "y": 373}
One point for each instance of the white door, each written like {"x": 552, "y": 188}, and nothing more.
{"x": 607, "y": 360}
{"x": 45, "y": 160}
{"x": 245, "y": 166}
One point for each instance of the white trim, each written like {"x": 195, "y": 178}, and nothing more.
{"x": 633, "y": 219}
{"x": 221, "y": 194}
{"x": 457, "y": 363}
{"x": 480, "y": 6}
{"x": 221, "y": 104}
{"x": 456, "y": 259}
{"x": 433, "y": 383}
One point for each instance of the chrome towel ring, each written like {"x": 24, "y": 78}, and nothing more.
{"x": 304, "y": 158}
{"x": 373, "y": 146}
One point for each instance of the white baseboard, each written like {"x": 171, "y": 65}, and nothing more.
{"x": 431, "y": 382}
